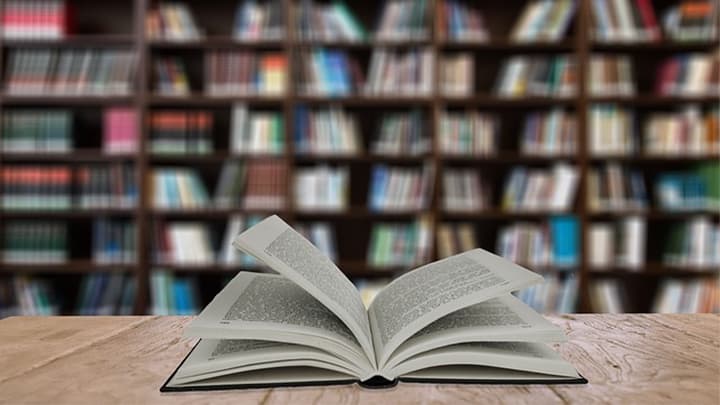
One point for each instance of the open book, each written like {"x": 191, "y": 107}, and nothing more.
{"x": 453, "y": 320}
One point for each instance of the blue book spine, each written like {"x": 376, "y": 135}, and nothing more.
{"x": 301, "y": 127}
{"x": 379, "y": 177}
{"x": 564, "y": 230}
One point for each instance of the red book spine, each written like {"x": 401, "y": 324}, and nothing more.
{"x": 648, "y": 16}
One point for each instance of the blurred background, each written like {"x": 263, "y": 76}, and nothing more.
{"x": 577, "y": 138}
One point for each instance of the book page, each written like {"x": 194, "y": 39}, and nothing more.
{"x": 502, "y": 319}
{"x": 276, "y": 244}
{"x": 271, "y": 307}
{"x": 430, "y": 292}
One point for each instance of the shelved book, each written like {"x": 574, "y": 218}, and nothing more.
{"x": 404, "y": 72}
{"x": 404, "y": 20}
{"x": 264, "y": 21}
{"x": 549, "y": 133}
{"x": 327, "y": 72}
{"x": 457, "y": 74}
{"x": 399, "y": 244}
{"x": 465, "y": 190}
{"x": 114, "y": 241}
{"x": 558, "y": 294}
{"x": 624, "y": 21}
{"x": 531, "y": 189}
{"x": 690, "y": 75}
{"x": 683, "y": 296}
{"x": 175, "y": 132}
{"x": 106, "y": 186}
{"x": 612, "y": 130}
{"x": 617, "y": 244}
{"x": 454, "y": 238}
{"x": 685, "y": 132}
{"x": 171, "y": 78}
{"x": 460, "y": 22}
{"x": 693, "y": 189}
{"x": 609, "y": 296}
{"x": 182, "y": 244}
{"x": 544, "y": 21}
{"x": 611, "y": 76}
{"x": 37, "y": 131}
{"x": 106, "y": 294}
{"x": 255, "y": 184}
{"x": 549, "y": 244}
{"x": 27, "y": 296}
{"x": 322, "y": 188}
{"x": 468, "y": 133}
{"x": 326, "y": 131}
{"x": 230, "y": 256}
{"x": 328, "y": 336}
{"x": 27, "y": 241}
{"x": 172, "y": 21}
{"x": 537, "y": 76}
{"x": 231, "y": 73}
{"x": 35, "y": 19}
{"x": 70, "y": 72}
{"x": 256, "y": 132}
{"x": 402, "y": 134}
{"x": 693, "y": 243}
{"x": 173, "y": 295}
{"x": 613, "y": 187}
{"x": 316, "y": 21}
{"x": 177, "y": 188}
{"x": 26, "y": 187}
{"x": 120, "y": 130}
{"x": 692, "y": 20}
{"x": 398, "y": 188}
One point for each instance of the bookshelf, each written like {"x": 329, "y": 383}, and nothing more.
{"x": 117, "y": 24}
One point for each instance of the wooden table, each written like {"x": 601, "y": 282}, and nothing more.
{"x": 100, "y": 360}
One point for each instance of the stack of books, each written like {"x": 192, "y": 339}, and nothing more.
{"x": 540, "y": 189}
{"x": 66, "y": 72}
{"x": 322, "y": 235}
{"x": 400, "y": 188}
{"x": 404, "y": 20}
{"x": 558, "y": 294}
{"x": 693, "y": 243}
{"x": 682, "y": 133}
{"x": 696, "y": 189}
{"x": 37, "y": 131}
{"x": 106, "y": 294}
{"x": 457, "y": 74}
{"x": 625, "y": 21}
{"x": 465, "y": 190}
{"x": 177, "y": 188}
{"x": 617, "y": 245}
{"x": 36, "y": 187}
{"x": 692, "y": 20}
{"x": 327, "y": 72}
{"x": 458, "y": 22}
{"x": 549, "y": 133}
{"x": 400, "y": 245}
{"x": 326, "y": 131}
{"x": 612, "y": 187}
{"x": 35, "y": 242}
{"x": 266, "y": 185}
{"x": 687, "y": 296}
{"x": 256, "y": 132}
{"x": 554, "y": 243}
{"x": 400, "y": 72}
{"x": 259, "y": 22}
{"x": 690, "y": 75}
{"x": 455, "y": 238}
{"x": 327, "y": 22}
{"x": 470, "y": 133}
{"x": 173, "y": 295}
{"x": 241, "y": 73}
{"x": 182, "y": 244}
{"x": 114, "y": 242}
{"x": 402, "y": 134}
{"x": 612, "y": 130}
{"x": 171, "y": 79}
{"x": 35, "y": 19}
{"x": 27, "y": 296}
{"x": 106, "y": 186}
{"x": 537, "y": 76}
{"x": 544, "y": 20}
{"x": 608, "y": 296}
{"x": 322, "y": 188}
{"x": 175, "y": 132}
{"x": 171, "y": 21}
{"x": 120, "y": 130}
{"x": 611, "y": 76}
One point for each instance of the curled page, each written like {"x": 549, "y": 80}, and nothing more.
{"x": 276, "y": 244}
{"x": 430, "y": 292}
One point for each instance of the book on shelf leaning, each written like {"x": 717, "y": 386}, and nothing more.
{"x": 308, "y": 325}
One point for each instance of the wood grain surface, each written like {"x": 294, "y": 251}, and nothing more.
{"x": 103, "y": 360}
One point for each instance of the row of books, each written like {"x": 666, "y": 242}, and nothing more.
{"x": 241, "y": 73}
{"x": 693, "y": 243}
{"x": 327, "y": 131}
{"x": 407, "y": 73}
{"x": 672, "y": 296}
{"x": 540, "y": 76}
{"x": 171, "y": 79}
{"x": 684, "y": 132}
{"x": 458, "y": 22}
{"x": 315, "y": 21}
{"x": 554, "y": 243}
{"x": 617, "y": 244}
{"x": 329, "y": 72}
{"x": 696, "y": 188}
{"x": 613, "y": 187}
{"x": 322, "y": 188}
{"x": 457, "y": 74}
{"x": 544, "y": 20}
{"x": 404, "y": 20}
{"x": 105, "y": 186}
{"x": 549, "y": 133}
{"x": 69, "y": 72}
{"x": 402, "y": 134}
{"x": 557, "y": 294}
{"x": 259, "y": 21}
{"x": 114, "y": 241}
{"x": 181, "y": 132}
{"x": 471, "y": 133}
{"x": 540, "y": 189}
{"x": 397, "y": 188}
{"x": 610, "y": 75}
{"x": 35, "y": 19}
{"x": 34, "y": 242}
{"x": 28, "y": 296}
{"x": 173, "y": 295}
{"x": 400, "y": 244}
{"x": 172, "y": 21}
{"x": 692, "y": 20}
{"x": 256, "y": 132}
{"x": 689, "y": 75}
{"x": 110, "y": 293}
{"x": 464, "y": 190}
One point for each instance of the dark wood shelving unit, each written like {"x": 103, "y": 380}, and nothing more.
{"x": 127, "y": 31}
